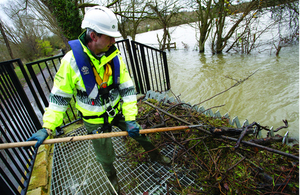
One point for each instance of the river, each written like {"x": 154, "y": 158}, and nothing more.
{"x": 268, "y": 97}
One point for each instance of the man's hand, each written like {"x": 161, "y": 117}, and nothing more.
{"x": 132, "y": 128}
{"x": 40, "y": 136}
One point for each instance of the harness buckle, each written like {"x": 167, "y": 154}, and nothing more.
{"x": 97, "y": 131}
{"x": 103, "y": 83}
{"x": 111, "y": 112}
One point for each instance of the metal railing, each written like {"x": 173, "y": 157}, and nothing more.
{"x": 23, "y": 99}
{"x": 148, "y": 67}
{"x": 43, "y": 82}
{"x": 18, "y": 122}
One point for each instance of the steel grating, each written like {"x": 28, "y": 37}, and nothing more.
{"x": 76, "y": 171}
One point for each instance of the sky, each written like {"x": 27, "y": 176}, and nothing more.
{"x": 3, "y": 16}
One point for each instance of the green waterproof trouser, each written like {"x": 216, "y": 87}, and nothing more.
{"x": 104, "y": 150}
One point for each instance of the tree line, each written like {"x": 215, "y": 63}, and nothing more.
{"x": 38, "y": 28}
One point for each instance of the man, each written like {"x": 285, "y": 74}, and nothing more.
{"x": 98, "y": 88}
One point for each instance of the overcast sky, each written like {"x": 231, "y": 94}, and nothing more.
{"x": 3, "y": 16}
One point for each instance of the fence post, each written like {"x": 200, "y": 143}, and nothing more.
{"x": 37, "y": 85}
{"x": 134, "y": 71}
{"x": 24, "y": 97}
{"x": 166, "y": 71}
{"x": 142, "y": 48}
{"x": 140, "y": 86}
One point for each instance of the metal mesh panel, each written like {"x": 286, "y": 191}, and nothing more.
{"x": 76, "y": 171}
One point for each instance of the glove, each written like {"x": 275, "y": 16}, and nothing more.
{"x": 40, "y": 136}
{"x": 132, "y": 128}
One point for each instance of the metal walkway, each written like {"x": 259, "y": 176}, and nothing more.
{"x": 76, "y": 171}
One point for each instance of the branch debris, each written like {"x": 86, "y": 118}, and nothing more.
{"x": 219, "y": 165}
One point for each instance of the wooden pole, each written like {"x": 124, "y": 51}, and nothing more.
{"x": 92, "y": 136}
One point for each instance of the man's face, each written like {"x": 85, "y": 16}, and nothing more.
{"x": 103, "y": 43}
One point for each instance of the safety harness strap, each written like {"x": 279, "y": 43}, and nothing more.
{"x": 84, "y": 66}
{"x": 107, "y": 73}
{"x": 89, "y": 73}
{"x": 110, "y": 111}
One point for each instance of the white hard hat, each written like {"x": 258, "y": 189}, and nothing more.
{"x": 102, "y": 20}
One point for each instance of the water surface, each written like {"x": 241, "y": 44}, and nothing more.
{"x": 268, "y": 97}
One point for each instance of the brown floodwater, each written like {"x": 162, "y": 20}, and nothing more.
{"x": 268, "y": 97}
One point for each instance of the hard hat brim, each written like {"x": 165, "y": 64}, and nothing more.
{"x": 114, "y": 34}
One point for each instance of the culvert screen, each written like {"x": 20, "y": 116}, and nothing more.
{"x": 76, "y": 171}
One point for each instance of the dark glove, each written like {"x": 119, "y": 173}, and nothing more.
{"x": 132, "y": 128}
{"x": 40, "y": 136}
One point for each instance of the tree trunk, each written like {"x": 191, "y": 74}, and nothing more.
{"x": 219, "y": 47}
{"x": 202, "y": 41}
{"x": 66, "y": 42}
{"x": 164, "y": 39}
{"x": 6, "y": 40}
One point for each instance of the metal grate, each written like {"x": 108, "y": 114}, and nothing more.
{"x": 76, "y": 171}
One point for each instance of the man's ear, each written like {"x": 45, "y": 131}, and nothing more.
{"x": 93, "y": 36}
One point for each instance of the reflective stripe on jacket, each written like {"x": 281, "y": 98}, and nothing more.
{"x": 68, "y": 81}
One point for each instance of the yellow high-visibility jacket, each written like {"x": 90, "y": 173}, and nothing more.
{"x": 68, "y": 81}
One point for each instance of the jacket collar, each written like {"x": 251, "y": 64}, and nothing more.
{"x": 81, "y": 38}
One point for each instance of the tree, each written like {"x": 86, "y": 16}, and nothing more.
{"x": 63, "y": 18}
{"x": 131, "y": 13}
{"x": 45, "y": 48}
{"x": 25, "y": 31}
{"x": 6, "y": 40}
{"x": 286, "y": 15}
{"x": 35, "y": 12}
{"x": 44, "y": 18}
{"x": 205, "y": 14}
{"x": 26, "y": 34}
{"x": 67, "y": 16}
{"x": 165, "y": 12}
{"x": 219, "y": 40}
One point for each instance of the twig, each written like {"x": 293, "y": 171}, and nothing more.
{"x": 176, "y": 105}
{"x": 286, "y": 125}
{"x": 210, "y": 156}
{"x": 261, "y": 169}
{"x": 179, "y": 119}
{"x": 177, "y": 97}
{"x": 276, "y": 182}
{"x": 292, "y": 170}
{"x": 231, "y": 168}
{"x": 189, "y": 149}
{"x": 276, "y": 193}
{"x": 263, "y": 147}
{"x": 200, "y": 160}
{"x": 259, "y": 127}
{"x": 187, "y": 152}
{"x": 236, "y": 164}
{"x": 219, "y": 151}
{"x": 177, "y": 179}
{"x": 234, "y": 85}
{"x": 187, "y": 140}
{"x": 231, "y": 78}
{"x": 173, "y": 158}
{"x": 242, "y": 135}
